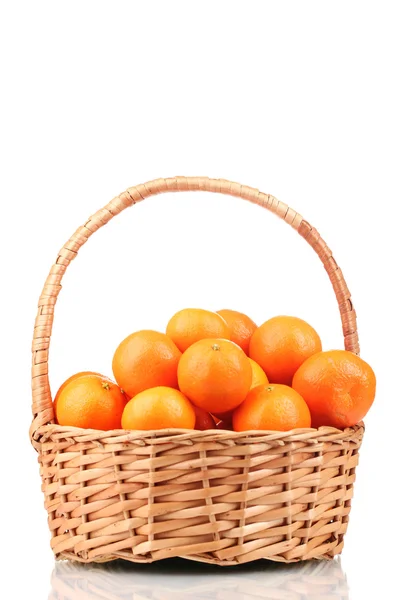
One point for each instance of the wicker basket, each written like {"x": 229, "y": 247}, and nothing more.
{"x": 213, "y": 496}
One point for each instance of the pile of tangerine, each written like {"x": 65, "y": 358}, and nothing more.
{"x": 219, "y": 370}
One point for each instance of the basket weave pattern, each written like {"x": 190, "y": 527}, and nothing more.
{"x": 212, "y": 496}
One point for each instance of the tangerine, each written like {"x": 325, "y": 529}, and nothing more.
{"x": 258, "y": 377}
{"x": 75, "y": 376}
{"x": 281, "y": 345}
{"x": 338, "y": 386}
{"x": 215, "y": 375}
{"x": 274, "y": 407}
{"x": 91, "y": 401}
{"x": 203, "y": 419}
{"x": 193, "y": 324}
{"x": 146, "y": 359}
{"x": 159, "y": 408}
{"x": 241, "y": 327}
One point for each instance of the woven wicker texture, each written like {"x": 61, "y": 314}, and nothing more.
{"x": 312, "y": 580}
{"x": 218, "y": 497}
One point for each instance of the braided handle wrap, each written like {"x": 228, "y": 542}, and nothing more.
{"x": 42, "y": 406}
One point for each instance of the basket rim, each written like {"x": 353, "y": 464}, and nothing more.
{"x": 191, "y": 436}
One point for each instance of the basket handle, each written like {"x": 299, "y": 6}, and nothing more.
{"x": 42, "y": 406}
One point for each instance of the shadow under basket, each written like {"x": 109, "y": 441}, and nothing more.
{"x": 211, "y": 496}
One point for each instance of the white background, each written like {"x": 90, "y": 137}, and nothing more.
{"x": 299, "y": 99}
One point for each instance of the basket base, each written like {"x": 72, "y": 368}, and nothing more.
{"x": 336, "y": 549}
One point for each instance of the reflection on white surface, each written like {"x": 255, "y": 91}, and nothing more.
{"x": 177, "y": 579}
